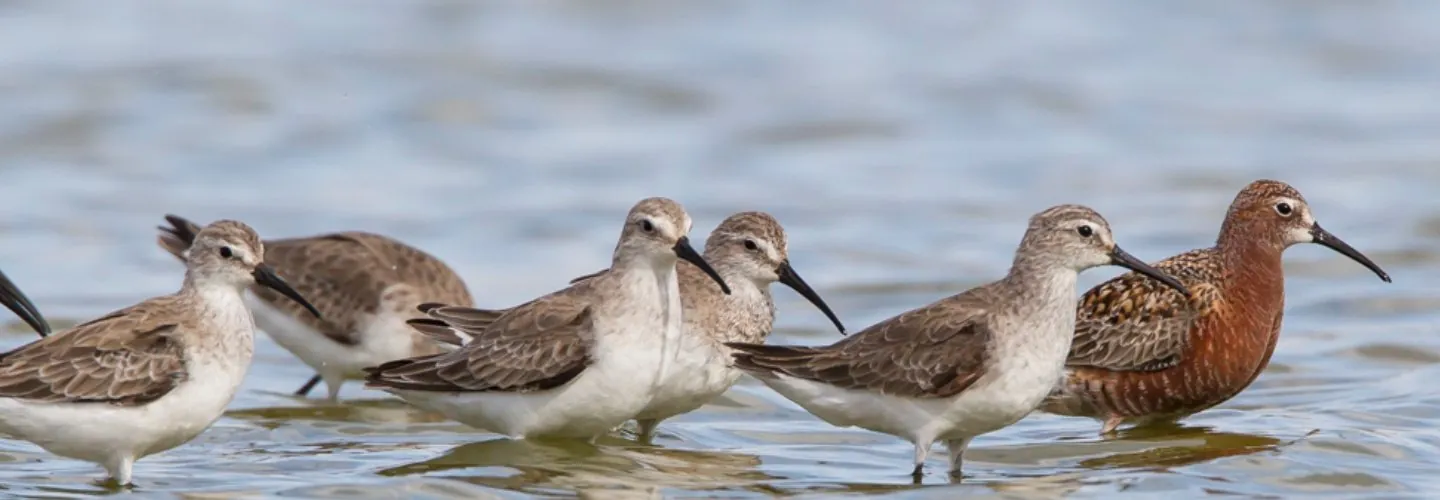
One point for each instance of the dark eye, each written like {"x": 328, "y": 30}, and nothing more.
{"x": 646, "y": 226}
{"x": 1283, "y": 208}
{"x": 750, "y": 245}
{"x": 1085, "y": 231}
{"x": 226, "y": 253}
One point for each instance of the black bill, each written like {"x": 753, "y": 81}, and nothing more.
{"x": 1123, "y": 259}
{"x": 1324, "y": 237}
{"x": 11, "y": 296}
{"x": 266, "y": 277}
{"x": 790, "y": 278}
{"x": 687, "y": 252}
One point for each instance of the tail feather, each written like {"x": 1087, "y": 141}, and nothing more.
{"x": 439, "y": 332}
{"x": 177, "y": 238}
{"x": 763, "y": 358}
{"x": 401, "y": 374}
{"x": 462, "y": 318}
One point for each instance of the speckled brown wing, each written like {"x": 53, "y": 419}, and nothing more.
{"x": 935, "y": 351}
{"x": 1135, "y": 323}
{"x": 127, "y": 358}
{"x": 466, "y": 319}
{"x": 340, "y": 274}
{"x": 535, "y": 346}
{"x": 351, "y": 271}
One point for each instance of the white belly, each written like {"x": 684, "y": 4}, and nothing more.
{"x": 612, "y": 390}
{"x": 99, "y": 432}
{"x": 699, "y": 373}
{"x": 382, "y": 338}
{"x": 1007, "y": 395}
{"x": 616, "y": 386}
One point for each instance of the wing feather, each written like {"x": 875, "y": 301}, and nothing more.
{"x": 935, "y": 351}
{"x": 1135, "y": 323}
{"x": 127, "y": 358}
{"x": 536, "y": 346}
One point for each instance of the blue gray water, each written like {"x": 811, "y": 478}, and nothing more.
{"x": 902, "y": 145}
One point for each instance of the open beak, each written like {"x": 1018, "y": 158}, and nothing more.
{"x": 1124, "y": 259}
{"x": 1324, "y": 237}
{"x": 266, "y": 277}
{"x": 792, "y": 279}
{"x": 11, "y": 296}
{"x": 685, "y": 251}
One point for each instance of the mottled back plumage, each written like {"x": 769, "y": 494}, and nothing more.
{"x": 1133, "y": 322}
{"x": 539, "y": 345}
{"x": 934, "y": 351}
{"x": 128, "y": 357}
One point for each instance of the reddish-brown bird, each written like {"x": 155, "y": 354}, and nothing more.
{"x": 1144, "y": 353}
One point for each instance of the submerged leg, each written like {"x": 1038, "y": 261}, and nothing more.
{"x": 333, "y": 391}
{"x": 922, "y": 451}
{"x": 119, "y": 468}
{"x": 646, "y": 429}
{"x": 305, "y": 389}
{"x": 956, "y": 449}
{"x": 1111, "y": 424}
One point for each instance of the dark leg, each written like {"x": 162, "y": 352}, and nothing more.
{"x": 918, "y": 474}
{"x": 305, "y": 389}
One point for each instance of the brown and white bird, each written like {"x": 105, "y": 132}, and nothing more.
{"x": 963, "y": 366}
{"x": 149, "y": 377}
{"x": 574, "y": 363}
{"x": 750, "y": 251}
{"x": 365, "y": 284}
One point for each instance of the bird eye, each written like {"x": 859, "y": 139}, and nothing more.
{"x": 646, "y": 226}
{"x": 1283, "y": 208}
{"x": 226, "y": 252}
{"x": 1085, "y": 231}
{"x": 750, "y": 245}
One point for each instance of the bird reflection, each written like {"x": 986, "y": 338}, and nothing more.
{"x": 610, "y": 465}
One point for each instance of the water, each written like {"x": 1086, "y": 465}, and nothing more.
{"x": 902, "y": 147}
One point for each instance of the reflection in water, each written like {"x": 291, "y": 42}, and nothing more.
{"x": 377, "y": 411}
{"x": 542, "y": 465}
{"x": 1168, "y": 446}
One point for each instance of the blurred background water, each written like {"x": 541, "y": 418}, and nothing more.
{"x": 903, "y": 145}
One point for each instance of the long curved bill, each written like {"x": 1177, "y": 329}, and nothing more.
{"x": 1123, "y": 259}
{"x": 683, "y": 250}
{"x": 792, "y": 279}
{"x": 17, "y": 302}
{"x": 265, "y": 276}
{"x": 1323, "y": 237}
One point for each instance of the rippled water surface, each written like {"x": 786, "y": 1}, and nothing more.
{"x": 902, "y": 145}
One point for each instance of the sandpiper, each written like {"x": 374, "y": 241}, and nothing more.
{"x": 149, "y": 377}
{"x": 750, "y": 251}
{"x": 965, "y": 365}
{"x": 1143, "y": 353}
{"x": 575, "y": 363}
{"x": 17, "y": 302}
{"x": 365, "y": 284}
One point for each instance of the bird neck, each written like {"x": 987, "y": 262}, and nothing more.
{"x": 1044, "y": 286}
